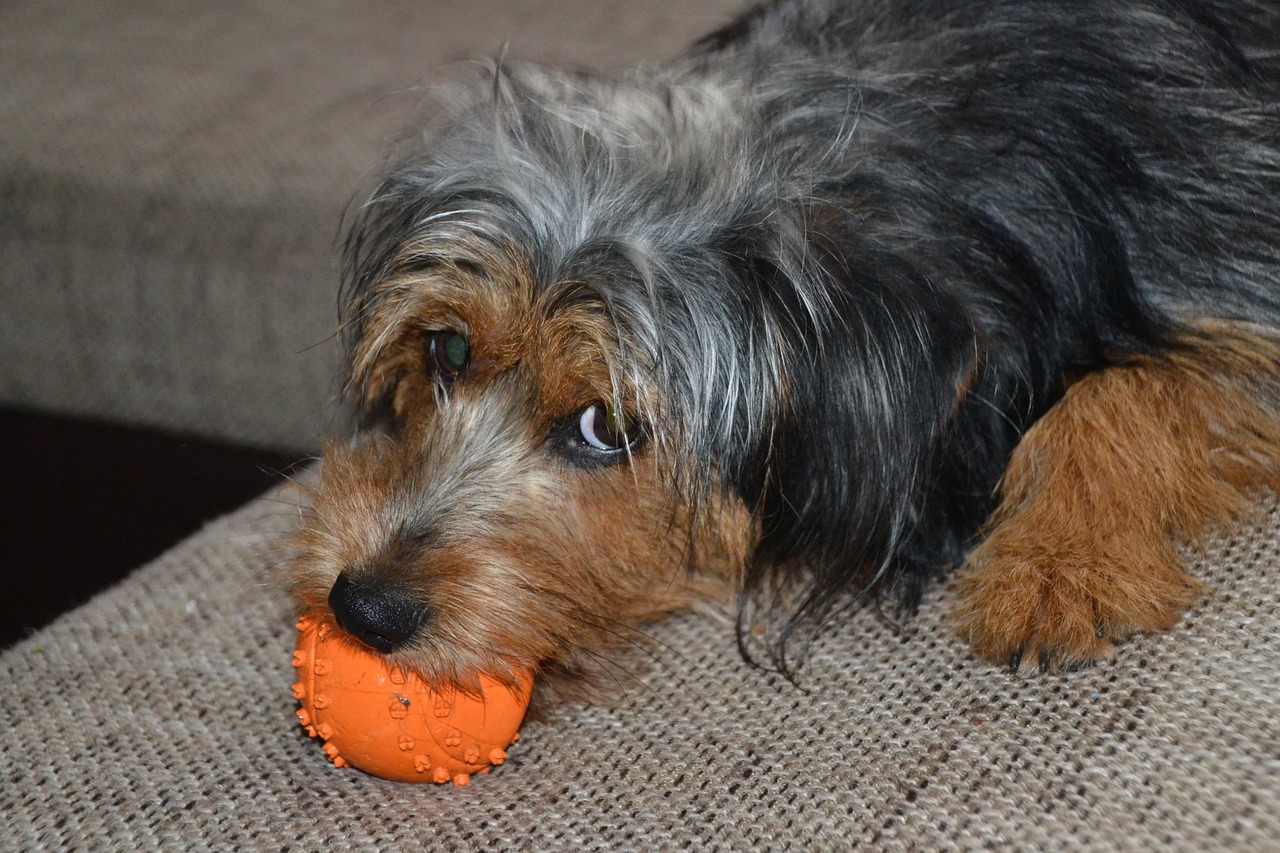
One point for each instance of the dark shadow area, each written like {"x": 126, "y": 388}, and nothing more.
{"x": 86, "y": 503}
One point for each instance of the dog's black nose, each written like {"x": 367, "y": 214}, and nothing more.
{"x": 375, "y": 612}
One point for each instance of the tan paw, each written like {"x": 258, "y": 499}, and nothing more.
{"x": 1030, "y": 599}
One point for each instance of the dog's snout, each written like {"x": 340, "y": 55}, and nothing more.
{"x": 375, "y": 612}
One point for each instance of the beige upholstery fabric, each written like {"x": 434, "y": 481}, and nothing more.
{"x": 160, "y": 715}
{"x": 172, "y": 175}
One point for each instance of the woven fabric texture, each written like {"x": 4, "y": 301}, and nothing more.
{"x": 160, "y": 715}
{"x": 173, "y": 174}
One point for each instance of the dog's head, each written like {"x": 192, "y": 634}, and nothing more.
{"x": 627, "y": 351}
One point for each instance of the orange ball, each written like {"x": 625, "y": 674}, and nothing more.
{"x": 391, "y": 723}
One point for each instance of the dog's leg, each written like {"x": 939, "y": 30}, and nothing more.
{"x": 1134, "y": 460}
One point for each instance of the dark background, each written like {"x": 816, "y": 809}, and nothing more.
{"x": 84, "y": 504}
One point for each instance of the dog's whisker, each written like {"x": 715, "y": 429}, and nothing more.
{"x": 634, "y": 637}
{"x": 279, "y": 501}
{"x": 612, "y": 668}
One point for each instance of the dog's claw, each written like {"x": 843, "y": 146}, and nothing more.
{"x": 1044, "y": 661}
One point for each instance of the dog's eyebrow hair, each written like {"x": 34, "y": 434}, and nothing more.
{"x": 428, "y": 262}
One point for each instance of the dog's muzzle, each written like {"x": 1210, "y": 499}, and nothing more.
{"x": 375, "y": 612}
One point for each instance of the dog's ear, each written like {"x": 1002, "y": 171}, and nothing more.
{"x": 847, "y": 485}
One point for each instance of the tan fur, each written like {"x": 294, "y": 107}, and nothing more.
{"x": 523, "y": 558}
{"x": 1132, "y": 462}
{"x": 493, "y": 310}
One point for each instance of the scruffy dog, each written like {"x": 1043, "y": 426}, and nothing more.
{"x": 851, "y": 294}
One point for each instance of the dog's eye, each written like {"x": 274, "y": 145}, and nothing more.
{"x": 605, "y": 428}
{"x": 447, "y": 353}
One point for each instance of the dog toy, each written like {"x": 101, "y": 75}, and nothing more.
{"x": 391, "y": 723}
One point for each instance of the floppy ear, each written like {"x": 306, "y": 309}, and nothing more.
{"x": 852, "y": 488}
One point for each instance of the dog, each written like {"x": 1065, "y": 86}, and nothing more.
{"x": 848, "y": 296}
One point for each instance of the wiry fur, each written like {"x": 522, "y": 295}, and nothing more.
{"x": 838, "y": 260}
{"x": 1134, "y": 460}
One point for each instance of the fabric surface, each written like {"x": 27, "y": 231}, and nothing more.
{"x": 173, "y": 173}
{"x": 160, "y": 715}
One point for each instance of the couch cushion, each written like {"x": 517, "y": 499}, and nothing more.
{"x": 172, "y": 175}
{"x": 160, "y": 714}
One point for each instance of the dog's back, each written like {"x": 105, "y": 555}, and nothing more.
{"x": 1159, "y": 121}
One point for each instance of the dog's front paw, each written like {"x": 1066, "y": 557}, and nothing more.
{"x": 1034, "y": 598}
